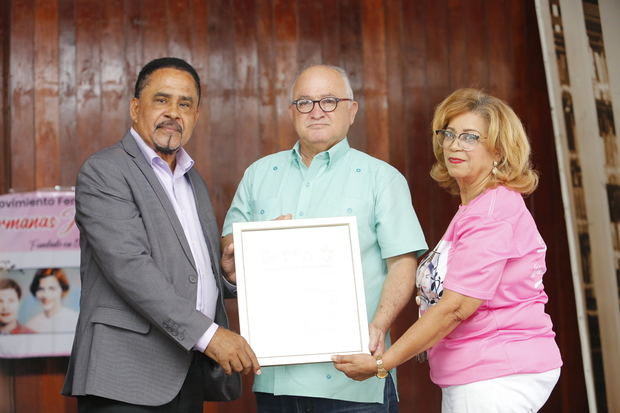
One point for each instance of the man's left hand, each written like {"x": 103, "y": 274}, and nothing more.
{"x": 357, "y": 366}
{"x": 376, "y": 343}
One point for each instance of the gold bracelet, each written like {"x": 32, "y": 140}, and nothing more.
{"x": 381, "y": 371}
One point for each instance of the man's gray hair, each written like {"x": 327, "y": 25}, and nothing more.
{"x": 341, "y": 71}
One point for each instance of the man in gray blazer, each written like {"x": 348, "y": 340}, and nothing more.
{"x": 152, "y": 334}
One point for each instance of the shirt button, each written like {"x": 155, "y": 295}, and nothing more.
{"x": 275, "y": 168}
{"x": 358, "y": 170}
{"x": 329, "y": 376}
{"x": 262, "y": 211}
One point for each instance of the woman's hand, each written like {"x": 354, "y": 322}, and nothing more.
{"x": 357, "y": 366}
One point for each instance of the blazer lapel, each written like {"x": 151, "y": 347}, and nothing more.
{"x": 205, "y": 211}
{"x": 131, "y": 147}
{"x": 204, "y": 207}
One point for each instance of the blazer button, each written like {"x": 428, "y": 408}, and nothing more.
{"x": 193, "y": 279}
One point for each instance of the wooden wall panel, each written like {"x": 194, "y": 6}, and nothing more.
{"x": 311, "y": 29}
{"x": 47, "y": 145}
{"x": 69, "y": 66}
{"x": 285, "y": 39}
{"x": 21, "y": 99}
{"x": 89, "y": 117}
{"x": 266, "y": 98}
{"x": 154, "y": 30}
{"x": 200, "y": 144}
{"x": 438, "y": 86}
{"x": 133, "y": 47}
{"x": 331, "y": 35}
{"x": 5, "y": 149}
{"x": 416, "y": 109}
{"x": 499, "y": 37}
{"x": 179, "y": 32}
{"x": 457, "y": 32}
{"x": 395, "y": 70}
{"x": 375, "y": 78}
{"x": 220, "y": 100}
{"x": 247, "y": 149}
{"x": 6, "y": 372}
{"x": 67, "y": 99}
{"x": 115, "y": 93}
{"x": 478, "y": 68}
{"x": 351, "y": 60}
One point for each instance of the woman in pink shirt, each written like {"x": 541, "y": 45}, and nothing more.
{"x": 490, "y": 344}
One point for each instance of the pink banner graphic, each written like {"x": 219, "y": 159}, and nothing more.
{"x": 38, "y": 229}
{"x": 39, "y": 274}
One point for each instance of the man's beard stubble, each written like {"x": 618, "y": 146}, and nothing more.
{"x": 167, "y": 150}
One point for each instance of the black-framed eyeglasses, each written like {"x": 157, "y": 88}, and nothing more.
{"x": 327, "y": 104}
{"x": 467, "y": 141}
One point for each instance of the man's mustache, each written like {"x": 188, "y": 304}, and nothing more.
{"x": 170, "y": 124}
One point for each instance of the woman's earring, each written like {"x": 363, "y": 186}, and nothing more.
{"x": 494, "y": 171}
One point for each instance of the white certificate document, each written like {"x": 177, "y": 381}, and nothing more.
{"x": 300, "y": 289}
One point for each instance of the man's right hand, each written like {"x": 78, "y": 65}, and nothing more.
{"x": 228, "y": 253}
{"x": 228, "y": 259}
{"x": 232, "y": 352}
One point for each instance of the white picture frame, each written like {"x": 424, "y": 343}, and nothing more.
{"x": 300, "y": 289}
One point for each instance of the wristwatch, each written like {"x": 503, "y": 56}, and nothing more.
{"x": 381, "y": 371}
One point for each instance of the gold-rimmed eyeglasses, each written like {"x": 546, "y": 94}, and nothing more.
{"x": 467, "y": 141}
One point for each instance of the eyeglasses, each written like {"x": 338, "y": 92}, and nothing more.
{"x": 327, "y": 104}
{"x": 466, "y": 141}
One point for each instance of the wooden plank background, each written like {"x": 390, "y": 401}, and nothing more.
{"x": 69, "y": 66}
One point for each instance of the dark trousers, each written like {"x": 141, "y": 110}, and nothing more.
{"x": 269, "y": 403}
{"x": 189, "y": 399}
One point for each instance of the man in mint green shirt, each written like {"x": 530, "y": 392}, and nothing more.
{"x": 322, "y": 176}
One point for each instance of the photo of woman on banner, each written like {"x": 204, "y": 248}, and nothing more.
{"x": 50, "y": 286}
{"x": 10, "y": 295}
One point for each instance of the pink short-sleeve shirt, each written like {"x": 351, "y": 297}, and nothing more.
{"x": 491, "y": 251}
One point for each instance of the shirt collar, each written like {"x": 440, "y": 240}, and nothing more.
{"x": 184, "y": 161}
{"x": 333, "y": 154}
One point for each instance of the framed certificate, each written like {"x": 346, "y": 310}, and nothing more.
{"x": 300, "y": 289}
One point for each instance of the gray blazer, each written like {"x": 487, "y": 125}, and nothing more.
{"x": 138, "y": 318}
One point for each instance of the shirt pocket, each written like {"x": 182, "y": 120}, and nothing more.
{"x": 357, "y": 207}
{"x": 266, "y": 209}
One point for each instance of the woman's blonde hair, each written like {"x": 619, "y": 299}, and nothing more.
{"x": 506, "y": 138}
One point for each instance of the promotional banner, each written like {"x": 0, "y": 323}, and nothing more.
{"x": 39, "y": 274}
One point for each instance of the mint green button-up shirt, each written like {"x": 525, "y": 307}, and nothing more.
{"x": 339, "y": 182}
